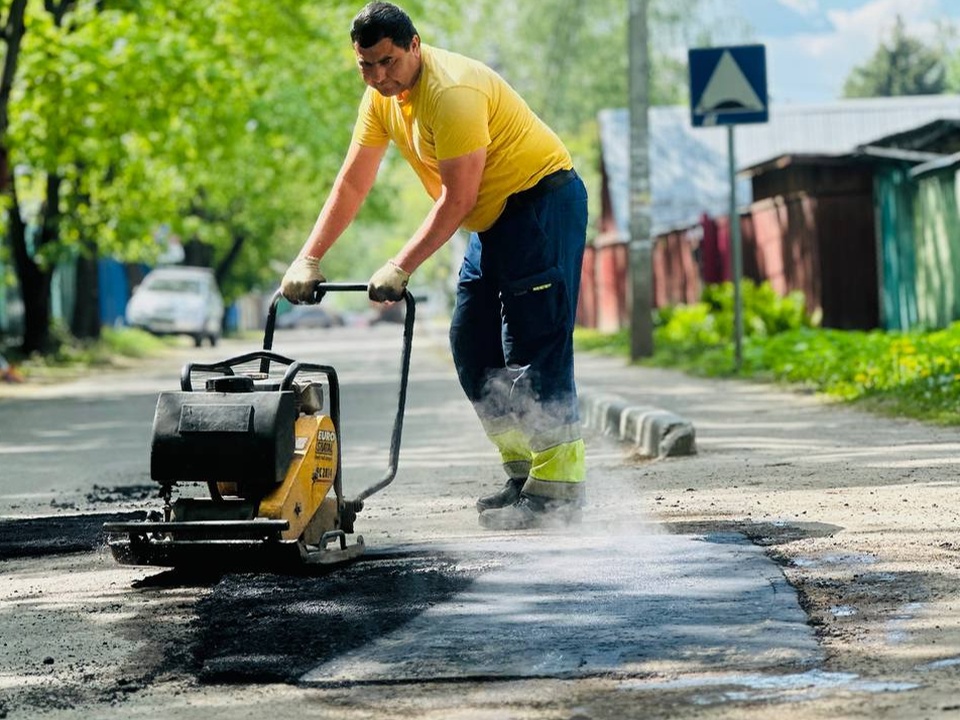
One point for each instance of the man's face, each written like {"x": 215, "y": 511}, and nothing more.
{"x": 387, "y": 68}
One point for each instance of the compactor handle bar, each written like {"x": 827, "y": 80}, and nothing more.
{"x": 357, "y": 503}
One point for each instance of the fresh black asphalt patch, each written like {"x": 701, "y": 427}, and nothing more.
{"x": 57, "y": 534}
{"x": 274, "y": 628}
{"x": 67, "y": 534}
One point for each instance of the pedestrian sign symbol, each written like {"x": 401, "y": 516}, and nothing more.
{"x": 728, "y": 85}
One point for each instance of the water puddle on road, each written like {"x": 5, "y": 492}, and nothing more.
{"x": 940, "y": 664}
{"x": 794, "y": 687}
{"x": 835, "y": 559}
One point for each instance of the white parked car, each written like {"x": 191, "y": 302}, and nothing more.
{"x": 178, "y": 301}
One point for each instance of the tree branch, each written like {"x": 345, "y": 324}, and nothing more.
{"x": 58, "y": 9}
{"x": 13, "y": 32}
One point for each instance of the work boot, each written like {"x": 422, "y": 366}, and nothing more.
{"x": 533, "y": 511}
{"x": 507, "y": 496}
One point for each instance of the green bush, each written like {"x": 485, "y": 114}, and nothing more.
{"x": 711, "y": 320}
{"x": 132, "y": 342}
{"x": 914, "y": 374}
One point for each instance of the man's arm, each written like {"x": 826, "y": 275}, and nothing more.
{"x": 350, "y": 189}
{"x": 460, "y": 183}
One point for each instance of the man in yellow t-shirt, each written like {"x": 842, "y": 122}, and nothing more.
{"x": 495, "y": 169}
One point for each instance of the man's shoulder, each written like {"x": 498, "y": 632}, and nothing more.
{"x": 450, "y": 69}
{"x": 445, "y": 57}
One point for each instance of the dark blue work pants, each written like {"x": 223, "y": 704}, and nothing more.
{"x": 511, "y": 333}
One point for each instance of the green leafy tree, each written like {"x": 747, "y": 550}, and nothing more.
{"x": 36, "y": 274}
{"x": 903, "y": 65}
{"x": 569, "y": 58}
{"x": 224, "y": 120}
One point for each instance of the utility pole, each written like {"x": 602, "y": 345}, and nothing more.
{"x": 641, "y": 245}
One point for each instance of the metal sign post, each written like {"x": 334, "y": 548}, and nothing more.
{"x": 728, "y": 86}
{"x": 737, "y": 246}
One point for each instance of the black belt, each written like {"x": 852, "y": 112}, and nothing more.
{"x": 545, "y": 185}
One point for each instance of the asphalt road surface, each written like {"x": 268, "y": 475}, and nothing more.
{"x": 614, "y": 618}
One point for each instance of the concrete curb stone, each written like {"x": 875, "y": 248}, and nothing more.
{"x": 652, "y": 431}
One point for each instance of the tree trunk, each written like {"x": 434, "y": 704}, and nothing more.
{"x": 197, "y": 254}
{"x": 34, "y": 286}
{"x": 12, "y": 33}
{"x": 35, "y": 279}
{"x": 223, "y": 268}
{"x": 135, "y": 274}
{"x": 85, "y": 322}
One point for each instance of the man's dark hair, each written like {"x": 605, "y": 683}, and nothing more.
{"x": 379, "y": 20}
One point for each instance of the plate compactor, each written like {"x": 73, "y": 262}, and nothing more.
{"x": 267, "y": 446}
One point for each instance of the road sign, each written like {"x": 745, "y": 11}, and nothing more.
{"x": 728, "y": 85}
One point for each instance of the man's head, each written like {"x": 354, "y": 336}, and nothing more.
{"x": 387, "y": 47}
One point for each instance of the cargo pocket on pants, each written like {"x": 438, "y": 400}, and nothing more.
{"x": 535, "y": 307}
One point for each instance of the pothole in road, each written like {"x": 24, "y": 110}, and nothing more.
{"x": 258, "y": 628}
{"x": 759, "y": 533}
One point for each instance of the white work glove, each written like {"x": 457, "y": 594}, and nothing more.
{"x": 388, "y": 283}
{"x": 300, "y": 279}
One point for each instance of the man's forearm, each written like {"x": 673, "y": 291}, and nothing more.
{"x": 356, "y": 177}
{"x": 439, "y": 226}
{"x": 338, "y": 212}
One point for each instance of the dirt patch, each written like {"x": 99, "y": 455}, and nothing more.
{"x": 876, "y": 571}
{"x": 839, "y": 591}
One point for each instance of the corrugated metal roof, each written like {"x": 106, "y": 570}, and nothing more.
{"x": 783, "y": 161}
{"x": 931, "y": 136}
{"x": 689, "y": 165}
{"x": 945, "y": 163}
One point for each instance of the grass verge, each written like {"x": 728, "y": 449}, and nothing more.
{"x": 117, "y": 347}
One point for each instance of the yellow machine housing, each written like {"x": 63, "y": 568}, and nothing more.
{"x": 300, "y": 498}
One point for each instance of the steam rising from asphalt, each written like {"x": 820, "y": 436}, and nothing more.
{"x": 614, "y": 484}
{"x": 511, "y": 391}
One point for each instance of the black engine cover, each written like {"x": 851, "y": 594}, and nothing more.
{"x": 242, "y": 437}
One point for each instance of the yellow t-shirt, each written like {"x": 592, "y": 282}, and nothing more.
{"x": 457, "y": 106}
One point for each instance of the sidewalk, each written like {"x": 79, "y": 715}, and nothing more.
{"x": 736, "y": 415}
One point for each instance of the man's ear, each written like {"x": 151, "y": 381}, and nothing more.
{"x": 415, "y": 45}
